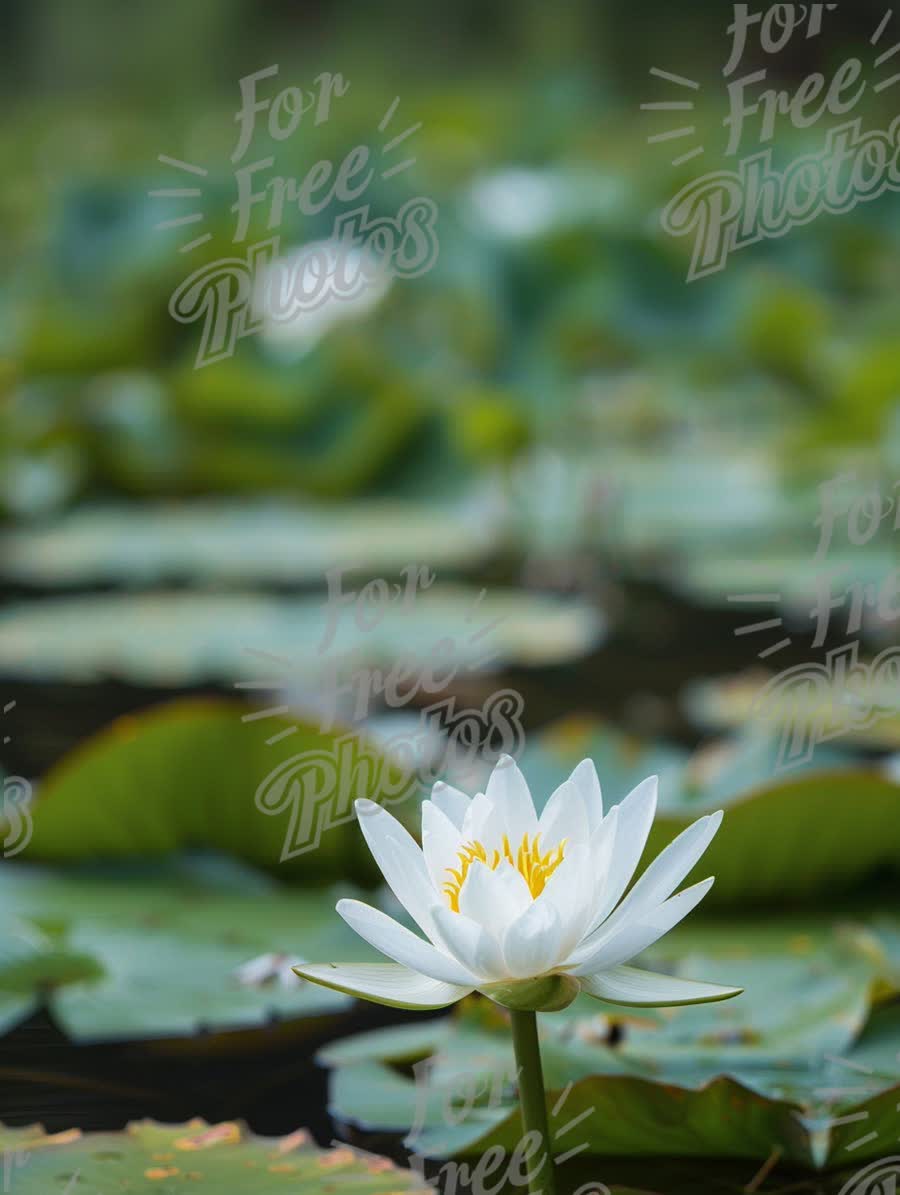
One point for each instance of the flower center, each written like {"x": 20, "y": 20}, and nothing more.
{"x": 533, "y": 865}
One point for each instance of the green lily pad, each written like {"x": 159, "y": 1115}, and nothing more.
{"x": 162, "y": 950}
{"x": 203, "y": 773}
{"x": 869, "y": 1077}
{"x": 729, "y": 702}
{"x": 193, "y": 1157}
{"x": 240, "y": 542}
{"x": 764, "y": 852}
{"x": 177, "y": 638}
{"x": 794, "y": 577}
{"x": 683, "y": 502}
{"x": 710, "y": 1081}
{"x": 793, "y": 838}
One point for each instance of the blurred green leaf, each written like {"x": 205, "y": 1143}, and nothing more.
{"x": 200, "y": 773}
{"x": 764, "y": 854}
{"x": 177, "y": 638}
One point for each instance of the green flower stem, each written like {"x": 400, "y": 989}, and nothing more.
{"x": 541, "y": 1179}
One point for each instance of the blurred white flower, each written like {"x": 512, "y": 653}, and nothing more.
{"x": 518, "y": 202}
{"x": 318, "y": 271}
{"x": 527, "y": 910}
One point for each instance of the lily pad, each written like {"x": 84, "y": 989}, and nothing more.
{"x": 684, "y": 501}
{"x": 205, "y": 773}
{"x": 709, "y": 1081}
{"x": 764, "y": 852}
{"x": 176, "y": 638}
{"x": 795, "y": 579}
{"x": 241, "y": 542}
{"x": 162, "y": 950}
{"x": 226, "y": 1159}
{"x": 729, "y": 702}
{"x": 793, "y": 837}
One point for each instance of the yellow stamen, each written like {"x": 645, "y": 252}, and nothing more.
{"x": 533, "y": 865}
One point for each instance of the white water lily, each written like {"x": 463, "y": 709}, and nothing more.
{"x": 527, "y": 909}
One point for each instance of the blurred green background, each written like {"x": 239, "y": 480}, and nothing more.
{"x": 550, "y": 414}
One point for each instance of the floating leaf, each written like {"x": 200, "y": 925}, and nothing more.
{"x": 709, "y": 1081}
{"x": 161, "y": 950}
{"x": 183, "y": 638}
{"x": 797, "y": 579}
{"x": 764, "y": 852}
{"x": 200, "y": 773}
{"x": 802, "y": 708}
{"x": 193, "y": 1157}
{"x": 247, "y": 541}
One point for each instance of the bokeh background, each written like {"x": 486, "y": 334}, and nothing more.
{"x": 593, "y": 457}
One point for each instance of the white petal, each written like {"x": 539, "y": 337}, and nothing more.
{"x": 494, "y": 898}
{"x": 531, "y": 944}
{"x": 564, "y": 817}
{"x": 610, "y": 949}
{"x": 386, "y": 983}
{"x": 475, "y": 947}
{"x": 569, "y": 891}
{"x": 441, "y": 842}
{"x": 451, "y": 802}
{"x": 634, "y": 819}
{"x": 399, "y": 944}
{"x": 667, "y": 870}
{"x": 587, "y": 782}
{"x": 400, "y": 859}
{"x": 603, "y": 844}
{"x": 629, "y": 985}
{"x": 508, "y": 793}
{"x": 482, "y": 821}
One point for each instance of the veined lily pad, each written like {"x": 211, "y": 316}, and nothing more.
{"x": 207, "y": 773}
{"x": 797, "y": 838}
{"x": 226, "y": 1159}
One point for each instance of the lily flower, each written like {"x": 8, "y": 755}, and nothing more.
{"x": 529, "y": 910}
